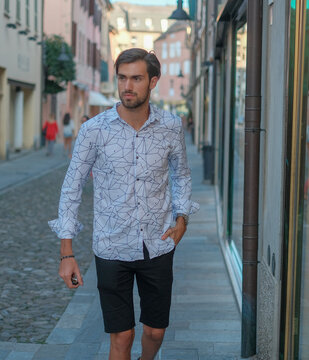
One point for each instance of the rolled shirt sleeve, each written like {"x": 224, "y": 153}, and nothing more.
{"x": 67, "y": 226}
{"x": 181, "y": 177}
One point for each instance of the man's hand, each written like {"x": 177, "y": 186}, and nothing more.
{"x": 176, "y": 232}
{"x": 67, "y": 268}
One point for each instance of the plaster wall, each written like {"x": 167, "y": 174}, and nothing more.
{"x": 275, "y": 23}
{"x": 20, "y": 62}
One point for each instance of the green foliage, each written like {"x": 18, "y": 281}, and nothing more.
{"x": 57, "y": 72}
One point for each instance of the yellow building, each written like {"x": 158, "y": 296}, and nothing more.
{"x": 20, "y": 75}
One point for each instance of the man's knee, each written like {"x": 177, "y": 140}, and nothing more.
{"x": 123, "y": 340}
{"x": 156, "y": 335}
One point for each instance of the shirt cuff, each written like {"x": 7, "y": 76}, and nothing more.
{"x": 66, "y": 229}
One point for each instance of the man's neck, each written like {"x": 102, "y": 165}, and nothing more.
{"x": 134, "y": 117}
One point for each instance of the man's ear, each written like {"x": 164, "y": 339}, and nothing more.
{"x": 153, "y": 82}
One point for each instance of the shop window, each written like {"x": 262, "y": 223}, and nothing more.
{"x": 239, "y": 136}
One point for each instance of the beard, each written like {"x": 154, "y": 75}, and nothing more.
{"x": 134, "y": 102}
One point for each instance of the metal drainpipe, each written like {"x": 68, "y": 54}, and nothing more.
{"x": 251, "y": 177}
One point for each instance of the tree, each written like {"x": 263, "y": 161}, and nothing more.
{"x": 57, "y": 72}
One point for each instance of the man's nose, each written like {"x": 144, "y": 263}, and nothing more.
{"x": 128, "y": 84}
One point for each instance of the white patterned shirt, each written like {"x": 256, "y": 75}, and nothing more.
{"x": 133, "y": 202}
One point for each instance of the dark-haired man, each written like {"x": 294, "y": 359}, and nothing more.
{"x": 131, "y": 149}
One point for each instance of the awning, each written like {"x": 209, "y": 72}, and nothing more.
{"x": 98, "y": 99}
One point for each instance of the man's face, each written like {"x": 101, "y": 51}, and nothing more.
{"x": 134, "y": 86}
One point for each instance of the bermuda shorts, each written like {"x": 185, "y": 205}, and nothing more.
{"x": 154, "y": 278}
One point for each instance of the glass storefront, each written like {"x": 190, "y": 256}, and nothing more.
{"x": 304, "y": 292}
{"x": 239, "y": 136}
{"x": 295, "y": 277}
{"x": 304, "y": 301}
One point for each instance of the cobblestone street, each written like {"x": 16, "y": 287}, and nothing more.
{"x": 32, "y": 295}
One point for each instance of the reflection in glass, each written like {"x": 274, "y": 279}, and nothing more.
{"x": 304, "y": 307}
{"x": 239, "y": 136}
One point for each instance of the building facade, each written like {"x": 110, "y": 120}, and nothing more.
{"x": 20, "y": 76}
{"x": 138, "y": 25}
{"x": 256, "y": 122}
{"x": 173, "y": 51}
{"x": 80, "y": 24}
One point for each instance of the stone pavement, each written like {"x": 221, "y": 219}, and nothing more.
{"x": 29, "y": 166}
{"x": 205, "y": 321}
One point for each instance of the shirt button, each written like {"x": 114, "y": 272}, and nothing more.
{"x": 136, "y": 157}
{"x": 136, "y": 135}
{"x": 137, "y": 179}
{"x": 141, "y": 229}
{"x": 138, "y": 203}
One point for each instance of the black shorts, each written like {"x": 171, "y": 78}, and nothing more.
{"x": 154, "y": 279}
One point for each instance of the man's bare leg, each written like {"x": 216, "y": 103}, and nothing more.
{"x": 151, "y": 342}
{"x": 121, "y": 344}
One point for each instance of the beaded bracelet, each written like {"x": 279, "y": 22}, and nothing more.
{"x": 66, "y": 257}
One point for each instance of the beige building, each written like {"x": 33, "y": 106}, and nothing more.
{"x": 20, "y": 75}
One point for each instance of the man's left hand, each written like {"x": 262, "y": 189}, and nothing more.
{"x": 176, "y": 232}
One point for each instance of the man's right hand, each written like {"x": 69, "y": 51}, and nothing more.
{"x": 67, "y": 268}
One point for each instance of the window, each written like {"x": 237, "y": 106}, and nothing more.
{"x": 238, "y": 131}
{"x": 27, "y": 15}
{"x": 91, "y": 7}
{"x": 164, "y": 69}
{"x": 88, "y": 52}
{"x": 164, "y": 25}
{"x": 172, "y": 50}
{"x": 148, "y": 23}
{"x": 133, "y": 40}
{"x": 74, "y": 34}
{"x": 148, "y": 42}
{"x": 18, "y": 11}
{"x": 164, "y": 51}
{"x": 7, "y": 6}
{"x": 36, "y": 27}
{"x": 178, "y": 48}
{"x": 120, "y": 23}
{"x": 172, "y": 69}
{"x": 135, "y": 22}
{"x": 186, "y": 66}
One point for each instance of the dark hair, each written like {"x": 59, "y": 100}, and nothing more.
{"x": 136, "y": 54}
{"x": 66, "y": 119}
{"x": 86, "y": 117}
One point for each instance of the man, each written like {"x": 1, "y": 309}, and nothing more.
{"x": 130, "y": 150}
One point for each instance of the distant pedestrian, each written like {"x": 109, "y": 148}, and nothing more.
{"x": 50, "y": 129}
{"x": 85, "y": 118}
{"x": 138, "y": 218}
{"x": 68, "y": 129}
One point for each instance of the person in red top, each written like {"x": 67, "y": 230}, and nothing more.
{"x": 50, "y": 128}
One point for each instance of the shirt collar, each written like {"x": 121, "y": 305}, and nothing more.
{"x": 153, "y": 115}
